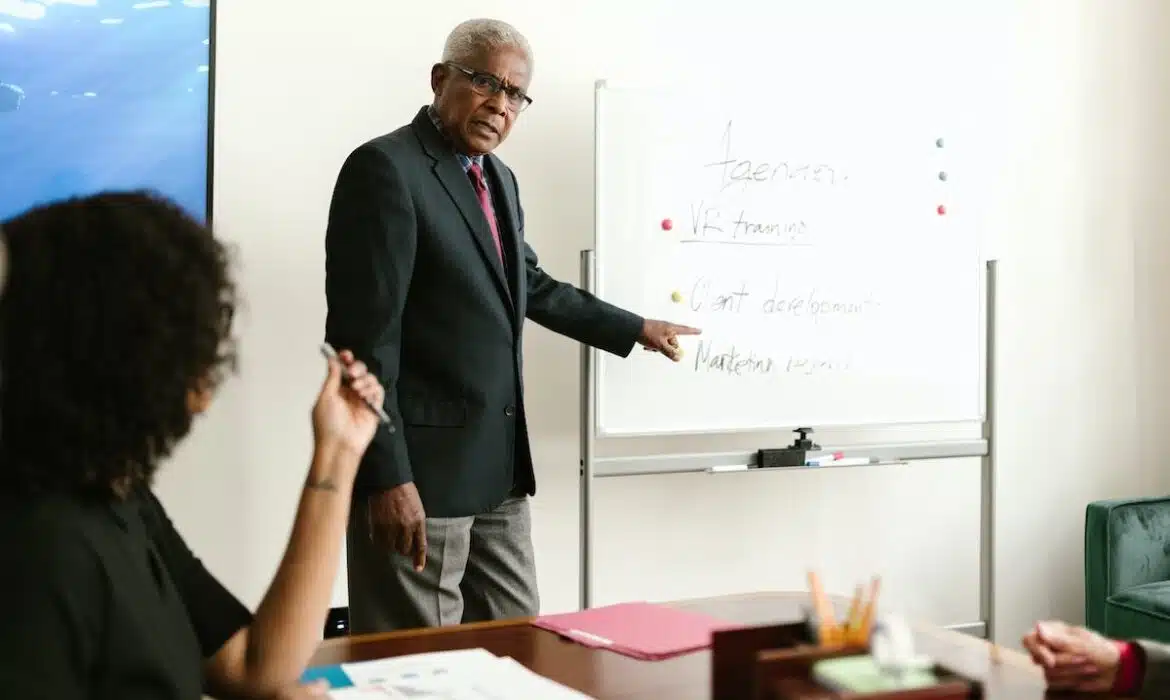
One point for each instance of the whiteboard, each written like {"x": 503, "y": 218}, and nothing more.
{"x": 800, "y": 228}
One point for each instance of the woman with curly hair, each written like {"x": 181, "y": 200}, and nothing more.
{"x": 115, "y": 331}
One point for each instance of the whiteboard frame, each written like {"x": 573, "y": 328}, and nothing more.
{"x": 591, "y": 283}
{"x": 714, "y": 464}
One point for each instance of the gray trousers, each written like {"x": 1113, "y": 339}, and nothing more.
{"x": 478, "y": 568}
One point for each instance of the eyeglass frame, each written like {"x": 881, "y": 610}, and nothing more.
{"x": 494, "y": 86}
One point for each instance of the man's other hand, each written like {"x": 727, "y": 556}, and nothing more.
{"x": 398, "y": 521}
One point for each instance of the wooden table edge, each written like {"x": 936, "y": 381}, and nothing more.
{"x": 1007, "y": 655}
{"x": 518, "y": 621}
{"x": 358, "y": 639}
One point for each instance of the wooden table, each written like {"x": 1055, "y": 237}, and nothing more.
{"x": 610, "y": 676}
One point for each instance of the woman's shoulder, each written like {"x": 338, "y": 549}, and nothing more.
{"x": 56, "y": 587}
{"x": 55, "y": 513}
{"x": 51, "y": 531}
{"x": 151, "y": 510}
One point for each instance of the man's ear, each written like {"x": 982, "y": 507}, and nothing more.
{"x": 438, "y": 75}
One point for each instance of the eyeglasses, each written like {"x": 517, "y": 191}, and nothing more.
{"x": 487, "y": 84}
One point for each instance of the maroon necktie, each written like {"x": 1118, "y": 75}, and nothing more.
{"x": 476, "y": 174}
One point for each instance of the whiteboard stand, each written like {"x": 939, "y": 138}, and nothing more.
{"x": 593, "y": 467}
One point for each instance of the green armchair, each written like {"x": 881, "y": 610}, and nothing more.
{"x": 1127, "y": 568}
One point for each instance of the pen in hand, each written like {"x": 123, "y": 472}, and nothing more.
{"x": 328, "y": 351}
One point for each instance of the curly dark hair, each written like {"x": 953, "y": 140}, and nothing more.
{"x": 117, "y": 305}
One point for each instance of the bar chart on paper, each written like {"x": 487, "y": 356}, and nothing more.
{"x": 822, "y": 236}
{"x": 462, "y": 674}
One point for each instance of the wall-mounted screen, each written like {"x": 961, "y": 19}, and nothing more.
{"x": 104, "y": 94}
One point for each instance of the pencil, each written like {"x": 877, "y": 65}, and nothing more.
{"x": 828, "y": 632}
{"x": 870, "y": 610}
{"x": 383, "y": 417}
{"x": 851, "y": 619}
{"x": 821, "y": 605}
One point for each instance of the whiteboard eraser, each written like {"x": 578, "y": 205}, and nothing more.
{"x": 776, "y": 458}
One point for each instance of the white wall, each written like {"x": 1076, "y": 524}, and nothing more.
{"x": 1149, "y": 171}
{"x": 1076, "y": 215}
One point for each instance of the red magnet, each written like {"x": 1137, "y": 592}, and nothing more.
{"x": 941, "y": 210}
{"x": 667, "y": 224}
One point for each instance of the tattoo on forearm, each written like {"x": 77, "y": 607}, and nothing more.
{"x": 325, "y": 484}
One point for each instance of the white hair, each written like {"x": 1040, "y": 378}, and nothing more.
{"x": 475, "y": 37}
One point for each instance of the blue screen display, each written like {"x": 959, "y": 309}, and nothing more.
{"x": 104, "y": 94}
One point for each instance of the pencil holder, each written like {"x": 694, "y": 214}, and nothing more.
{"x": 733, "y": 655}
{"x": 776, "y": 662}
{"x": 788, "y": 674}
{"x": 738, "y": 655}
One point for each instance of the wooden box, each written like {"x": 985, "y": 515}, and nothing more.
{"x": 775, "y": 663}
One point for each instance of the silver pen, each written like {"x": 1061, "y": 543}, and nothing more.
{"x": 328, "y": 351}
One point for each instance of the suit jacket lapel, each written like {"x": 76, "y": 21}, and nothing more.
{"x": 458, "y": 186}
{"x": 507, "y": 211}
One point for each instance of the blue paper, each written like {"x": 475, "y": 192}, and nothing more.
{"x": 335, "y": 676}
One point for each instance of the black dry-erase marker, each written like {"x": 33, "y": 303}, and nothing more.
{"x": 328, "y": 351}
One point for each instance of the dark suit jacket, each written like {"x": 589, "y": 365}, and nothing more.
{"x": 416, "y": 289}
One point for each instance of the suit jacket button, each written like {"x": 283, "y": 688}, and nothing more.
{"x": 510, "y": 411}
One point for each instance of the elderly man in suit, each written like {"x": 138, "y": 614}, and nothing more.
{"x": 1080, "y": 660}
{"x": 429, "y": 280}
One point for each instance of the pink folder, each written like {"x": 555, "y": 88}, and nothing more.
{"x": 641, "y": 630}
